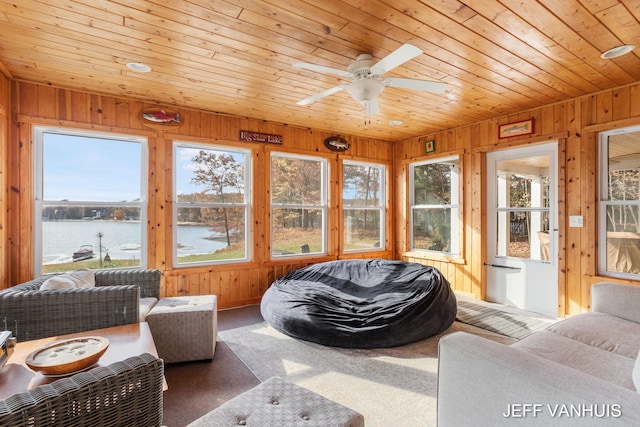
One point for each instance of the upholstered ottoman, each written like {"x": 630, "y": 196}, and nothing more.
{"x": 184, "y": 328}
{"x": 278, "y": 403}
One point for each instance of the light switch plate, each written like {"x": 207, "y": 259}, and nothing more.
{"x": 575, "y": 220}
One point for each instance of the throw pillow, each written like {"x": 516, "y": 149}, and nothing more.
{"x": 82, "y": 278}
{"x": 635, "y": 373}
{"x": 58, "y": 282}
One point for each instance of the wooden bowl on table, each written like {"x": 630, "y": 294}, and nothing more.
{"x": 68, "y": 356}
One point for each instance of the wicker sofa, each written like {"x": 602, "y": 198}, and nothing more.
{"x": 31, "y": 313}
{"x": 127, "y": 394}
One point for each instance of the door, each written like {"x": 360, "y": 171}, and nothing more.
{"x": 522, "y": 228}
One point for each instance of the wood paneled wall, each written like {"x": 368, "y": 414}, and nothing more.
{"x": 235, "y": 284}
{"x": 5, "y": 114}
{"x": 574, "y": 124}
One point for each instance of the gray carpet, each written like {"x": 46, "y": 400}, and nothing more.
{"x": 389, "y": 386}
{"x": 502, "y": 320}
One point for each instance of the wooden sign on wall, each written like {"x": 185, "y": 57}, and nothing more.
{"x": 246, "y": 135}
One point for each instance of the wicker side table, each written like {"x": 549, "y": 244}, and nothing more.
{"x": 184, "y": 328}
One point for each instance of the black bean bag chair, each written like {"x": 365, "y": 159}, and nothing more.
{"x": 361, "y": 303}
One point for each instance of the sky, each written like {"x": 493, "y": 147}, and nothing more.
{"x": 90, "y": 169}
{"x": 79, "y": 168}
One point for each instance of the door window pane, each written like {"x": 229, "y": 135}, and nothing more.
{"x": 523, "y": 207}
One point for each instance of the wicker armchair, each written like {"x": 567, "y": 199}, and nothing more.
{"x": 127, "y": 394}
{"x": 31, "y": 313}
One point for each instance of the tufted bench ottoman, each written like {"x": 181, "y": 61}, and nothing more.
{"x": 278, "y": 403}
{"x": 184, "y": 328}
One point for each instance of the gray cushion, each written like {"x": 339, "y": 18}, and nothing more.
{"x": 602, "y": 330}
{"x": 635, "y": 374}
{"x": 607, "y": 365}
{"x": 277, "y": 402}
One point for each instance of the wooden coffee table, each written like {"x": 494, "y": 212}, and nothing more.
{"x": 124, "y": 342}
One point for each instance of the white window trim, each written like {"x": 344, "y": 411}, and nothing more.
{"x": 324, "y": 203}
{"x": 246, "y": 205}
{"x": 603, "y": 202}
{"x": 380, "y": 207}
{"x": 454, "y": 207}
{"x": 38, "y": 132}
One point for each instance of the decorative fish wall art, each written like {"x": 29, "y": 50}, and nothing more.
{"x": 336, "y": 143}
{"x": 160, "y": 118}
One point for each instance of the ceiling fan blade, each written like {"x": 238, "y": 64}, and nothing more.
{"x": 322, "y": 69}
{"x": 314, "y": 98}
{"x": 398, "y": 57}
{"x": 423, "y": 85}
{"x": 372, "y": 107}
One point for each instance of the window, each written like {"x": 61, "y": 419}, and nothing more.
{"x": 298, "y": 205}
{"x": 619, "y": 203}
{"x": 90, "y": 200}
{"x": 434, "y": 206}
{"x": 211, "y": 204}
{"x": 363, "y": 204}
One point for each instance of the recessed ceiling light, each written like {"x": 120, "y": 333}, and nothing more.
{"x": 138, "y": 67}
{"x": 617, "y": 51}
{"x": 395, "y": 122}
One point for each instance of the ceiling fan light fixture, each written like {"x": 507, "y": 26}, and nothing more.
{"x": 138, "y": 67}
{"x": 365, "y": 89}
{"x": 617, "y": 51}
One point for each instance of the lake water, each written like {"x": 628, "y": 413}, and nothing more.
{"x": 120, "y": 238}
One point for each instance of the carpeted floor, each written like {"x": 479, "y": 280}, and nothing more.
{"x": 391, "y": 387}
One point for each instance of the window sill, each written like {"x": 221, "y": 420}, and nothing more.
{"x": 451, "y": 259}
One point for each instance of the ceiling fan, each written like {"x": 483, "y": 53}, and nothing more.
{"x": 366, "y": 78}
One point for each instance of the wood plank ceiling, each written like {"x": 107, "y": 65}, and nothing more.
{"x": 236, "y": 56}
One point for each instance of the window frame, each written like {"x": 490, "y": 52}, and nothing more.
{"x": 38, "y": 187}
{"x": 323, "y": 207}
{"x": 381, "y": 207}
{"x": 604, "y": 202}
{"x": 456, "y": 243}
{"x": 246, "y": 204}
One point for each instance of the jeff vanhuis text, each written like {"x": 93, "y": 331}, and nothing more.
{"x": 524, "y": 410}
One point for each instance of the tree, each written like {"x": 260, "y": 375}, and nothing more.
{"x": 222, "y": 177}
{"x": 361, "y": 187}
{"x": 295, "y": 182}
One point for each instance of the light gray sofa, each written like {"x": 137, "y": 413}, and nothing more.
{"x": 581, "y": 371}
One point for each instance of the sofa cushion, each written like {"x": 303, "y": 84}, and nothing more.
{"x": 146, "y": 304}
{"x": 58, "y": 282}
{"x": 602, "y": 330}
{"x": 635, "y": 375}
{"x": 607, "y": 365}
{"x": 83, "y": 278}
